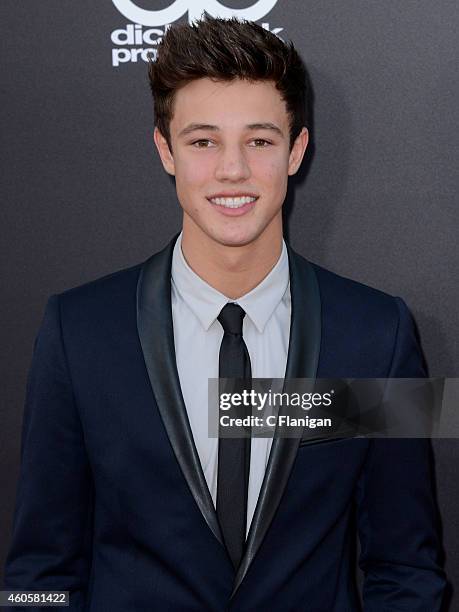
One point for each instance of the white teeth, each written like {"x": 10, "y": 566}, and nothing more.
{"x": 233, "y": 202}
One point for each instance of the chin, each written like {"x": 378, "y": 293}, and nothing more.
{"x": 234, "y": 239}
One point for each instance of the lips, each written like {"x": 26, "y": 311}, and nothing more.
{"x": 237, "y": 200}
{"x": 233, "y": 206}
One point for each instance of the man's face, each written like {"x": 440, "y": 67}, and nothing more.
{"x": 231, "y": 159}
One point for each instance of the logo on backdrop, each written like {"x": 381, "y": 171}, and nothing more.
{"x": 138, "y": 40}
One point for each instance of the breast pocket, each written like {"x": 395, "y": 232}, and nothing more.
{"x": 305, "y": 442}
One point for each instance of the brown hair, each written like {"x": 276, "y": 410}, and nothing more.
{"x": 226, "y": 49}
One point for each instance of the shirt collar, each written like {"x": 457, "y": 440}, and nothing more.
{"x": 206, "y": 302}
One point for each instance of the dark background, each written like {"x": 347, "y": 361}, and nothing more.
{"x": 83, "y": 192}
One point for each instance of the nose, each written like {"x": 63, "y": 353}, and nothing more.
{"x": 232, "y": 164}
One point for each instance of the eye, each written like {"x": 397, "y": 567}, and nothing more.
{"x": 202, "y": 143}
{"x": 260, "y": 143}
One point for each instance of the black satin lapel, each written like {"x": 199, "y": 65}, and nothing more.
{"x": 155, "y": 327}
{"x": 302, "y": 362}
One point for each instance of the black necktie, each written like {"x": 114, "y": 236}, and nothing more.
{"x": 233, "y": 453}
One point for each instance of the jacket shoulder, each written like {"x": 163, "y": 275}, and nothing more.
{"x": 101, "y": 304}
{"x": 351, "y": 291}
{"x": 360, "y": 325}
{"x": 109, "y": 284}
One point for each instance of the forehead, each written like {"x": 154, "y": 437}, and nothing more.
{"x": 228, "y": 103}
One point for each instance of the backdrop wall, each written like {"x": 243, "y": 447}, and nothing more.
{"x": 84, "y": 192}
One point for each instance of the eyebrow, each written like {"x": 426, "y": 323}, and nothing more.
{"x": 194, "y": 127}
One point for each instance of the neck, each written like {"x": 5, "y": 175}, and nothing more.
{"x": 232, "y": 270}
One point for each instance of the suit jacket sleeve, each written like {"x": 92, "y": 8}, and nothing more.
{"x": 396, "y": 507}
{"x": 51, "y": 542}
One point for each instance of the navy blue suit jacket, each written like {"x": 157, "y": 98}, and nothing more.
{"x": 112, "y": 503}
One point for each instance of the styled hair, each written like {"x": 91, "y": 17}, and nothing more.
{"x": 223, "y": 50}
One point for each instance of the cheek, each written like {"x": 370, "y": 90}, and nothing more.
{"x": 192, "y": 183}
{"x": 270, "y": 171}
{"x": 272, "y": 178}
{"x": 193, "y": 172}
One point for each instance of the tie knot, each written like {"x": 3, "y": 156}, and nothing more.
{"x": 231, "y": 317}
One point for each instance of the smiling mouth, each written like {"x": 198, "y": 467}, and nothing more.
{"x": 236, "y": 202}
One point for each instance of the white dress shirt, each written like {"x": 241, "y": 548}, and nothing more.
{"x": 197, "y": 337}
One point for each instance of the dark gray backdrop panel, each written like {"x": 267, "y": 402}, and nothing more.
{"x": 84, "y": 193}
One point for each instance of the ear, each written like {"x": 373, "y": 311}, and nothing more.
{"x": 297, "y": 152}
{"x": 164, "y": 152}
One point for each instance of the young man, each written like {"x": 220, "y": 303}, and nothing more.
{"x": 124, "y": 499}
